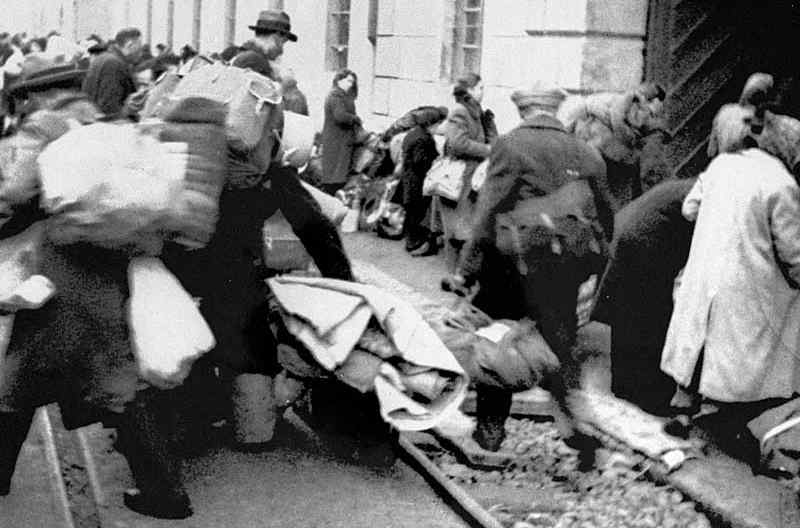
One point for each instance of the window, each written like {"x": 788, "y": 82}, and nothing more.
{"x": 468, "y": 33}
{"x": 338, "y": 34}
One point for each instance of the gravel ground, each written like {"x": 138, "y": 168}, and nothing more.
{"x": 616, "y": 494}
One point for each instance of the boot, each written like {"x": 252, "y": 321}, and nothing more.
{"x": 493, "y": 406}
{"x": 14, "y": 428}
{"x": 144, "y": 439}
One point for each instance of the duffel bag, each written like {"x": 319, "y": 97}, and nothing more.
{"x": 250, "y": 99}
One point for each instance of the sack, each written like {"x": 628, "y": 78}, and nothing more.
{"x": 167, "y": 331}
{"x": 445, "y": 178}
{"x": 251, "y": 99}
{"x": 507, "y": 354}
{"x": 479, "y": 176}
{"x": 110, "y": 185}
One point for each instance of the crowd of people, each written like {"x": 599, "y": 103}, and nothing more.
{"x": 529, "y": 216}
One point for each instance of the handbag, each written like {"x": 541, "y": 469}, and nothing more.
{"x": 445, "y": 178}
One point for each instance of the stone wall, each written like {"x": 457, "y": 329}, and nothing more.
{"x": 581, "y": 45}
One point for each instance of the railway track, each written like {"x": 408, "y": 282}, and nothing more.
{"x": 437, "y": 483}
{"x": 539, "y": 488}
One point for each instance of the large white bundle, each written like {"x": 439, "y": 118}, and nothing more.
{"x": 109, "y": 184}
{"x": 167, "y": 331}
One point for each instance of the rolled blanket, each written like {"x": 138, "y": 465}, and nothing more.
{"x": 417, "y": 380}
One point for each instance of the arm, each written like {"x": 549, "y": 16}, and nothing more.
{"x": 603, "y": 200}
{"x": 501, "y": 180}
{"x": 784, "y": 210}
{"x": 459, "y": 143}
{"x": 691, "y": 204}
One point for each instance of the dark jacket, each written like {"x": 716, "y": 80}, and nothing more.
{"x": 651, "y": 245}
{"x": 338, "y": 136}
{"x": 109, "y": 82}
{"x": 534, "y": 159}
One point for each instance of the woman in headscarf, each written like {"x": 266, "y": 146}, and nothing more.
{"x": 419, "y": 151}
{"x": 339, "y": 131}
{"x": 735, "y": 332}
{"x": 469, "y": 133}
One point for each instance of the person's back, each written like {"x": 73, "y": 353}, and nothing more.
{"x": 109, "y": 81}
{"x": 294, "y": 100}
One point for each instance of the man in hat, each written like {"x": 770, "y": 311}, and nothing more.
{"x": 109, "y": 80}
{"x": 83, "y": 332}
{"x": 535, "y": 159}
{"x": 273, "y": 28}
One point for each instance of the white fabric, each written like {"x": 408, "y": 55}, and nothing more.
{"x": 167, "y": 331}
{"x": 108, "y": 182}
{"x": 734, "y": 303}
{"x": 329, "y": 316}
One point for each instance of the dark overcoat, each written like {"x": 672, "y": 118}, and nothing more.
{"x": 339, "y": 133}
{"x": 109, "y": 82}
{"x": 650, "y": 247}
{"x": 534, "y": 159}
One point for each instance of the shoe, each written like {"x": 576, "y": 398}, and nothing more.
{"x": 159, "y": 507}
{"x": 490, "y": 435}
{"x": 586, "y": 446}
{"x": 679, "y": 426}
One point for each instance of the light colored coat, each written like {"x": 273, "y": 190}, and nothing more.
{"x": 735, "y": 305}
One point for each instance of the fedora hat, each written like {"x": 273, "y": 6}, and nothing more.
{"x": 274, "y": 20}
{"x": 40, "y": 72}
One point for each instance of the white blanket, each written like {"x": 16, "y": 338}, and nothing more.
{"x": 329, "y": 317}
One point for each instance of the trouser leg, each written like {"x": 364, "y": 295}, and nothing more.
{"x": 14, "y": 429}
{"x": 145, "y": 439}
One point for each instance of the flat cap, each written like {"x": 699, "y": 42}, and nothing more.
{"x": 544, "y": 97}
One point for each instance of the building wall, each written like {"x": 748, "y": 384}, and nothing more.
{"x": 581, "y": 45}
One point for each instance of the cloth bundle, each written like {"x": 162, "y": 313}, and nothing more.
{"x": 417, "y": 380}
{"x": 19, "y": 179}
{"x": 614, "y": 122}
{"x": 250, "y": 99}
{"x": 120, "y": 185}
{"x": 167, "y": 331}
{"x": 109, "y": 185}
{"x": 507, "y": 354}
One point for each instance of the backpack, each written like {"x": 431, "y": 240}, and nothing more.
{"x": 250, "y": 98}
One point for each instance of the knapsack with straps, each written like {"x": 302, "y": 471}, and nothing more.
{"x": 250, "y": 99}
